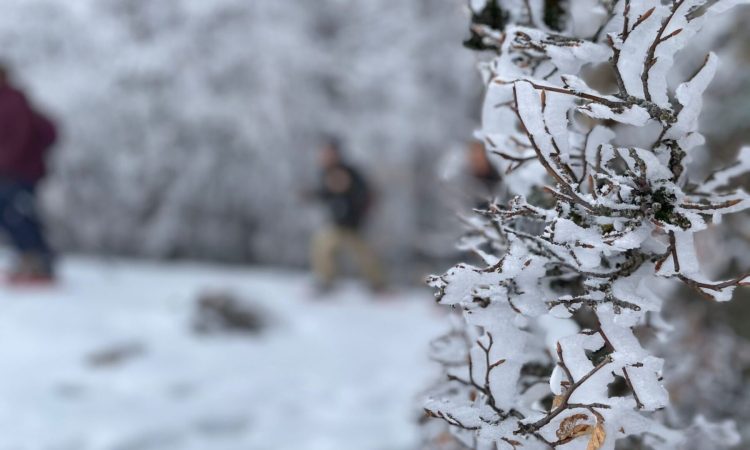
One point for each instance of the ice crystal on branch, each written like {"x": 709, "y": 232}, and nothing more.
{"x": 548, "y": 357}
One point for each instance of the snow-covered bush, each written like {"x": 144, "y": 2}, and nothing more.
{"x": 549, "y": 355}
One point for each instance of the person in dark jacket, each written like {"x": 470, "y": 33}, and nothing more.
{"x": 26, "y": 136}
{"x": 347, "y": 197}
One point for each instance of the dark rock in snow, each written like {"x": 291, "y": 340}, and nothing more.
{"x": 221, "y": 312}
{"x": 115, "y": 355}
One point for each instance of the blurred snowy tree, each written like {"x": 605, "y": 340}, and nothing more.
{"x": 191, "y": 125}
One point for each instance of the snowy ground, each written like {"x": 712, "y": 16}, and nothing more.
{"x": 341, "y": 373}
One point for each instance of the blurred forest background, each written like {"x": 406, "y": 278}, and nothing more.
{"x": 190, "y": 127}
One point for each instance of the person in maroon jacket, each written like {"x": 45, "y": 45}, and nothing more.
{"x": 26, "y": 136}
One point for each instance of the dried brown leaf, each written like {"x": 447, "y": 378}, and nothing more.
{"x": 571, "y": 426}
{"x": 597, "y": 437}
{"x": 581, "y": 430}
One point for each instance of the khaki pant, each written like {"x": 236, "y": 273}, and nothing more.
{"x": 328, "y": 243}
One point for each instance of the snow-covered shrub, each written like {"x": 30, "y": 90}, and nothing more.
{"x": 549, "y": 354}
